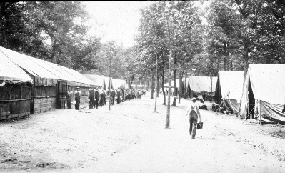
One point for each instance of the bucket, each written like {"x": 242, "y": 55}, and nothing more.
{"x": 200, "y": 125}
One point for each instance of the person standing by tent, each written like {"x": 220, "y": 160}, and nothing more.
{"x": 91, "y": 98}
{"x": 101, "y": 103}
{"x": 77, "y": 98}
{"x": 194, "y": 114}
{"x": 113, "y": 94}
{"x": 104, "y": 97}
{"x": 97, "y": 95}
{"x": 68, "y": 99}
{"x": 118, "y": 96}
{"x": 123, "y": 95}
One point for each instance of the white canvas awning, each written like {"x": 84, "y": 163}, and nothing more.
{"x": 117, "y": 83}
{"x": 172, "y": 84}
{"x": 231, "y": 83}
{"x": 268, "y": 82}
{"x": 202, "y": 83}
{"x": 44, "y": 69}
{"x": 96, "y": 79}
{"x": 9, "y": 71}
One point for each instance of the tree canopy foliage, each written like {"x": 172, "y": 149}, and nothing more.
{"x": 50, "y": 30}
{"x": 237, "y": 32}
{"x": 242, "y": 32}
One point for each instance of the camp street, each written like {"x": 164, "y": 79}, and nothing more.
{"x": 132, "y": 138}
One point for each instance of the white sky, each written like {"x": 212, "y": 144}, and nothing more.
{"x": 115, "y": 20}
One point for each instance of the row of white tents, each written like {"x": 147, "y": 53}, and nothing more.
{"x": 104, "y": 81}
{"x": 19, "y": 67}
{"x": 197, "y": 83}
{"x": 258, "y": 93}
{"x": 31, "y": 85}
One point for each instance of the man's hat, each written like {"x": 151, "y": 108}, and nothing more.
{"x": 194, "y": 99}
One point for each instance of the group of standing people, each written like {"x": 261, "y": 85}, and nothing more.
{"x": 120, "y": 95}
{"x": 98, "y": 97}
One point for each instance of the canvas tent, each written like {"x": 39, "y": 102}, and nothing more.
{"x": 98, "y": 80}
{"x": 166, "y": 85}
{"x": 229, "y": 88}
{"x": 50, "y": 81}
{"x": 15, "y": 89}
{"x": 118, "y": 83}
{"x": 137, "y": 86}
{"x": 202, "y": 83}
{"x": 10, "y": 72}
{"x": 106, "y": 81}
{"x": 263, "y": 91}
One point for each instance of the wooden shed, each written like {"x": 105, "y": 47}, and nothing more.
{"x": 50, "y": 82}
{"x": 15, "y": 90}
{"x": 44, "y": 88}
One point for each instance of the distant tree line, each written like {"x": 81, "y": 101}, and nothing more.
{"x": 237, "y": 33}
{"x": 56, "y": 31}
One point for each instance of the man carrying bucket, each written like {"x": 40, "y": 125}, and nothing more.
{"x": 194, "y": 114}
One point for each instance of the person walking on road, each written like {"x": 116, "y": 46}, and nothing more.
{"x": 194, "y": 115}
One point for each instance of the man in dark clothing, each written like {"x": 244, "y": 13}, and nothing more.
{"x": 96, "y": 98}
{"x": 91, "y": 98}
{"x": 77, "y": 98}
{"x": 113, "y": 94}
{"x": 194, "y": 115}
{"x": 68, "y": 99}
{"x": 123, "y": 95}
{"x": 118, "y": 96}
{"x": 101, "y": 97}
{"x": 104, "y": 97}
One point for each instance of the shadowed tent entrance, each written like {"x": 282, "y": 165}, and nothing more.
{"x": 251, "y": 102}
{"x": 263, "y": 92}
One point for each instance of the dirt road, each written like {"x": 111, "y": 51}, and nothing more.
{"x": 132, "y": 138}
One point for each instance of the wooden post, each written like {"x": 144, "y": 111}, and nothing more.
{"x": 110, "y": 83}
{"x": 259, "y": 111}
{"x": 156, "y": 82}
{"x": 169, "y": 75}
{"x": 185, "y": 89}
{"x": 169, "y": 91}
{"x": 247, "y": 106}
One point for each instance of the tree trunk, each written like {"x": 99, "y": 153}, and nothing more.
{"x": 53, "y": 55}
{"x": 218, "y": 64}
{"x": 157, "y": 85}
{"x": 129, "y": 83}
{"x": 225, "y": 56}
{"x": 169, "y": 91}
{"x": 245, "y": 56}
{"x": 152, "y": 85}
{"x": 180, "y": 86}
{"x": 174, "y": 76}
{"x": 185, "y": 85}
{"x": 174, "y": 89}
{"x": 162, "y": 86}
